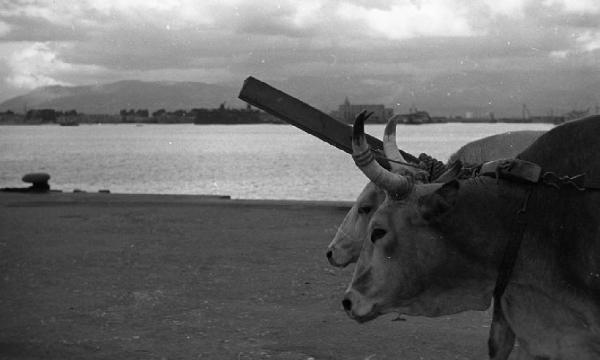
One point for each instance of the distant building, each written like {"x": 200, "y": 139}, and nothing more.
{"x": 347, "y": 112}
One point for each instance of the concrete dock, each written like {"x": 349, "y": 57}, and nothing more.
{"x": 111, "y": 276}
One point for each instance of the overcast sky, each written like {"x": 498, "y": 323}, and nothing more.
{"x": 394, "y": 45}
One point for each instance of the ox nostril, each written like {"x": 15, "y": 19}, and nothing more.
{"x": 329, "y": 254}
{"x": 347, "y": 304}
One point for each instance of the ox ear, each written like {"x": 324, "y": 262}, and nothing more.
{"x": 433, "y": 205}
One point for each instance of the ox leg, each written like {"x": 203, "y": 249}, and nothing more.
{"x": 502, "y": 338}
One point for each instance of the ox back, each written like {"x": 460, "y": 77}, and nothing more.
{"x": 564, "y": 224}
{"x": 499, "y": 146}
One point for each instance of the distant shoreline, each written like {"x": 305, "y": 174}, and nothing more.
{"x": 233, "y": 116}
{"x": 137, "y": 124}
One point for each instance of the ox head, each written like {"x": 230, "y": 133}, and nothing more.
{"x": 406, "y": 264}
{"x": 347, "y": 242}
{"x": 345, "y": 247}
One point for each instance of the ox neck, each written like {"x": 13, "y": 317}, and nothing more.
{"x": 482, "y": 221}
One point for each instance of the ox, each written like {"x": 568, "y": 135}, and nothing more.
{"x": 436, "y": 249}
{"x": 347, "y": 242}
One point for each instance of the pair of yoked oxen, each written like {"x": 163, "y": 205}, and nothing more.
{"x": 431, "y": 249}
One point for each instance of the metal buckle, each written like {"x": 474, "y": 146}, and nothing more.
{"x": 520, "y": 170}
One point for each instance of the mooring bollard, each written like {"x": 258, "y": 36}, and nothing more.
{"x": 39, "y": 181}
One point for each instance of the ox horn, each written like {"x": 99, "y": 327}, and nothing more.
{"x": 390, "y": 147}
{"x": 365, "y": 160}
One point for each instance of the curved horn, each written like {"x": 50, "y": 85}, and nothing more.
{"x": 390, "y": 147}
{"x": 364, "y": 159}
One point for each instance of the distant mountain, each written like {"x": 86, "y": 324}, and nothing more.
{"x": 131, "y": 94}
{"x": 474, "y": 92}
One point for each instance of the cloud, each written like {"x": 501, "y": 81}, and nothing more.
{"x": 375, "y": 42}
{"x": 559, "y": 54}
{"x": 575, "y": 6}
{"x": 583, "y": 51}
{"x": 405, "y": 20}
{"x": 292, "y": 19}
{"x": 36, "y": 65}
{"x": 42, "y": 30}
{"x": 509, "y": 8}
{"x": 213, "y": 75}
{"x": 4, "y": 28}
{"x": 99, "y": 12}
{"x": 589, "y": 40}
{"x": 31, "y": 66}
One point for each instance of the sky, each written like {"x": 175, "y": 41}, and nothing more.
{"x": 477, "y": 53}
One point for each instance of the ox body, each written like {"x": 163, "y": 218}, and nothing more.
{"x": 434, "y": 249}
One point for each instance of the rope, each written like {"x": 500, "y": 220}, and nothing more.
{"x": 416, "y": 166}
{"x": 433, "y": 166}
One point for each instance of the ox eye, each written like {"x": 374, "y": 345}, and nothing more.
{"x": 377, "y": 234}
{"x": 364, "y": 209}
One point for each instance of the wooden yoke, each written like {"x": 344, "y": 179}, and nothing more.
{"x": 307, "y": 118}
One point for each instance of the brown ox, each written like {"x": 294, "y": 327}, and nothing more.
{"x": 435, "y": 249}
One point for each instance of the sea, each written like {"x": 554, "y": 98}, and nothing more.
{"x": 242, "y": 161}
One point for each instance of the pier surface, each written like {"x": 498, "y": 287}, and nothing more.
{"x": 110, "y": 276}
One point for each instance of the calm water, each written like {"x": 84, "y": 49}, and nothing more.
{"x": 244, "y": 161}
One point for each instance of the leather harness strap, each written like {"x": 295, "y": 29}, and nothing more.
{"x": 521, "y": 170}
{"x": 505, "y": 270}
{"x": 511, "y": 169}
{"x": 512, "y": 249}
